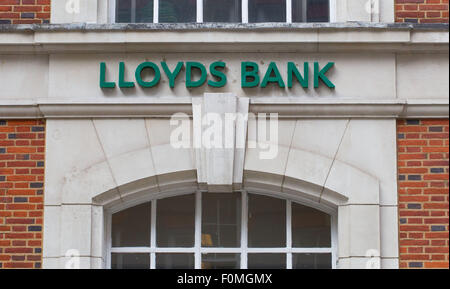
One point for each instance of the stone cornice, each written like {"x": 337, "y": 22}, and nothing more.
{"x": 285, "y": 107}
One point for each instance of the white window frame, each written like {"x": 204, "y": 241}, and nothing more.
{"x": 199, "y": 17}
{"x": 197, "y": 250}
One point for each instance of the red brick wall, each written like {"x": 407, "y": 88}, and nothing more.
{"x": 423, "y": 163}
{"x": 22, "y": 148}
{"x": 421, "y": 11}
{"x": 24, "y": 11}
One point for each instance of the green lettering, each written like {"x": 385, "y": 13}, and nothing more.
{"x": 320, "y": 74}
{"x": 272, "y": 69}
{"x": 253, "y": 73}
{"x": 172, "y": 75}
{"x": 203, "y": 76}
{"x": 218, "y": 74}
{"x": 292, "y": 70}
{"x": 122, "y": 82}
{"x": 103, "y": 83}
{"x": 138, "y": 74}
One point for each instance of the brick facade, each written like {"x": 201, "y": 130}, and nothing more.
{"x": 24, "y": 11}
{"x": 423, "y": 164}
{"x": 421, "y": 11}
{"x": 22, "y": 149}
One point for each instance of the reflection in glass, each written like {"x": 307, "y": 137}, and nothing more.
{"x": 310, "y": 10}
{"x": 266, "y": 261}
{"x": 134, "y": 11}
{"x": 222, "y": 11}
{"x": 221, "y": 261}
{"x": 311, "y": 261}
{"x": 175, "y": 221}
{"x": 266, "y": 11}
{"x": 221, "y": 220}
{"x": 131, "y": 227}
{"x": 266, "y": 221}
{"x": 311, "y": 228}
{"x": 175, "y": 261}
{"x": 130, "y": 261}
{"x": 177, "y": 11}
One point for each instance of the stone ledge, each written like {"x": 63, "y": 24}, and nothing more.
{"x": 219, "y": 26}
{"x": 286, "y": 108}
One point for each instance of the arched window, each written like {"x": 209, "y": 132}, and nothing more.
{"x": 221, "y": 230}
{"x": 232, "y": 11}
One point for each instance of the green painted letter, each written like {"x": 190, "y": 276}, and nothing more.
{"x": 122, "y": 82}
{"x": 172, "y": 75}
{"x": 321, "y": 74}
{"x": 203, "y": 76}
{"x": 272, "y": 69}
{"x": 218, "y": 74}
{"x": 292, "y": 70}
{"x": 103, "y": 83}
{"x": 250, "y": 73}
{"x": 138, "y": 75}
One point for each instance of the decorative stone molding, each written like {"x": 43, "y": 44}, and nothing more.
{"x": 285, "y": 107}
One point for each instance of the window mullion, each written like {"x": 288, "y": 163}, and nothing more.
{"x": 199, "y": 11}
{"x": 289, "y": 234}
{"x": 155, "y": 11}
{"x": 244, "y": 230}
{"x": 153, "y": 235}
{"x": 198, "y": 230}
{"x": 244, "y": 11}
{"x": 133, "y": 11}
{"x": 304, "y": 11}
{"x": 288, "y": 11}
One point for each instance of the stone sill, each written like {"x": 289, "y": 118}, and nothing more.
{"x": 86, "y": 27}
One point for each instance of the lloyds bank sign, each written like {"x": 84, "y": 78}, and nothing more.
{"x": 196, "y": 74}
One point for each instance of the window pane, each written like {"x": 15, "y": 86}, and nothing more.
{"x": 310, "y": 227}
{"x": 266, "y": 11}
{"x": 310, "y": 10}
{"x": 130, "y": 261}
{"x": 266, "y": 221}
{"x": 311, "y": 261}
{"x": 174, "y": 261}
{"x": 175, "y": 221}
{"x": 131, "y": 227}
{"x": 221, "y": 261}
{"x": 222, "y": 11}
{"x": 134, "y": 11}
{"x": 266, "y": 261}
{"x": 174, "y": 11}
{"x": 221, "y": 220}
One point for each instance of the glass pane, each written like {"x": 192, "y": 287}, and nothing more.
{"x": 134, "y": 11}
{"x": 266, "y": 261}
{"x": 130, "y": 261}
{"x": 310, "y": 10}
{"x": 175, "y": 221}
{"x": 131, "y": 227}
{"x": 222, "y": 11}
{"x": 311, "y": 261}
{"x": 174, "y": 261}
{"x": 266, "y": 221}
{"x": 221, "y": 220}
{"x": 310, "y": 227}
{"x": 221, "y": 261}
{"x": 266, "y": 11}
{"x": 176, "y": 11}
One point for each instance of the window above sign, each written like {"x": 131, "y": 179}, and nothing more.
{"x": 222, "y": 11}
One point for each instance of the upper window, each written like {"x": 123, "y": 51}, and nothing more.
{"x": 232, "y": 11}
{"x": 221, "y": 231}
